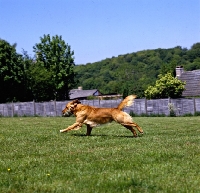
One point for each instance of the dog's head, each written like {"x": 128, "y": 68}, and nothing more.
{"x": 70, "y": 107}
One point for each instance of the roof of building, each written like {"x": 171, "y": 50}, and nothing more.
{"x": 79, "y": 93}
{"x": 192, "y": 79}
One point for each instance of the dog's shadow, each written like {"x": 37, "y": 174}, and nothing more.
{"x": 103, "y": 135}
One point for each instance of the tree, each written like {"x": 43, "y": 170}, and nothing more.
{"x": 12, "y": 74}
{"x": 166, "y": 86}
{"x": 125, "y": 93}
{"x": 194, "y": 52}
{"x": 55, "y": 58}
{"x": 27, "y": 62}
{"x": 136, "y": 71}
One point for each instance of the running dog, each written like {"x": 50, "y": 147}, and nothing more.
{"x": 93, "y": 116}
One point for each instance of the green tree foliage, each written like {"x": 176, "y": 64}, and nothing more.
{"x": 55, "y": 67}
{"x": 13, "y": 77}
{"x": 53, "y": 72}
{"x": 134, "y": 72}
{"x": 166, "y": 86}
{"x": 27, "y": 62}
{"x": 41, "y": 83}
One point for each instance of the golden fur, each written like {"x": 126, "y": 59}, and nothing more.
{"x": 93, "y": 116}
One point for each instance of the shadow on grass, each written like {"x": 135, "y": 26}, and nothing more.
{"x": 104, "y": 135}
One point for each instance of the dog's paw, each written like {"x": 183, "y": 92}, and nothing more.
{"x": 61, "y": 131}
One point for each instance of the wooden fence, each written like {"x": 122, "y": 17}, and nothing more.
{"x": 141, "y": 106}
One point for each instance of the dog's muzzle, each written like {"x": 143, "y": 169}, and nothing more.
{"x": 67, "y": 114}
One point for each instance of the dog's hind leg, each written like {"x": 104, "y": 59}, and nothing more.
{"x": 128, "y": 125}
{"x": 126, "y": 120}
{"x": 137, "y": 126}
{"x": 89, "y": 129}
{"x": 131, "y": 129}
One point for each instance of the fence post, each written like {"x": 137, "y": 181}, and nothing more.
{"x": 145, "y": 104}
{"x": 44, "y": 109}
{"x": 169, "y": 102}
{"x": 12, "y": 109}
{"x": 34, "y": 109}
{"x": 55, "y": 107}
{"x": 194, "y": 102}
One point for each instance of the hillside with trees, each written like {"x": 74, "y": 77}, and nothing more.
{"x": 52, "y": 72}
{"x": 134, "y": 72}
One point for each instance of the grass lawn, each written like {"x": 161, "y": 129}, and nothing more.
{"x": 35, "y": 157}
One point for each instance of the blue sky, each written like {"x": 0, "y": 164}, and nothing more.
{"x": 99, "y": 29}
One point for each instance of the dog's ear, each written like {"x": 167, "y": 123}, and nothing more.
{"x": 77, "y": 101}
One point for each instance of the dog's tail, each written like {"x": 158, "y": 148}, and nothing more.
{"x": 128, "y": 101}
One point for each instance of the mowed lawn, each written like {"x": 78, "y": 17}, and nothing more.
{"x": 35, "y": 157}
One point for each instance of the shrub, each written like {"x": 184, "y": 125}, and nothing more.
{"x": 132, "y": 114}
{"x": 197, "y": 113}
{"x": 91, "y": 98}
{"x": 172, "y": 110}
{"x": 166, "y": 86}
{"x": 188, "y": 115}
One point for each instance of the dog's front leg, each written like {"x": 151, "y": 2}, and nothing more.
{"x": 89, "y": 129}
{"x": 75, "y": 126}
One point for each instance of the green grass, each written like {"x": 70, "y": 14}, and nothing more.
{"x": 35, "y": 157}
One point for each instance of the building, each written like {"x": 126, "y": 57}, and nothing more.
{"x": 83, "y": 94}
{"x": 192, "y": 79}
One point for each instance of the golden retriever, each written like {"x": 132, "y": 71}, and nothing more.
{"x": 93, "y": 116}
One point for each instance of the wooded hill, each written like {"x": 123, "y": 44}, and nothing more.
{"x": 134, "y": 72}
